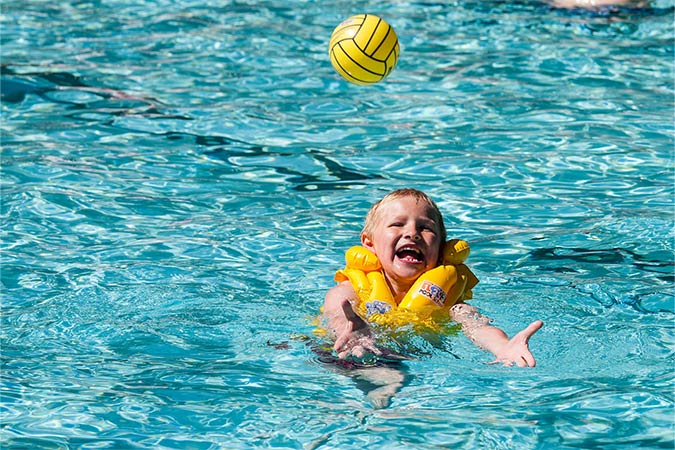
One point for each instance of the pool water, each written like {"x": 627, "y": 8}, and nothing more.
{"x": 180, "y": 181}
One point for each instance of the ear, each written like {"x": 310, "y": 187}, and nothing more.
{"x": 367, "y": 243}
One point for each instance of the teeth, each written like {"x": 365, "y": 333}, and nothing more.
{"x": 410, "y": 249}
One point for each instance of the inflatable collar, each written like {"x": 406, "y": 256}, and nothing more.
{"x": 431, "y": 296}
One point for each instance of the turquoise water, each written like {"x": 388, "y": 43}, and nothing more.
{"x": 180, "y": 181}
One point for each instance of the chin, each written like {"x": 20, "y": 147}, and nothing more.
{"x": 411, "y": 273}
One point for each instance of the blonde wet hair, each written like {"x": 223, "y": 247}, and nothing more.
{"x": 373, "y": 214}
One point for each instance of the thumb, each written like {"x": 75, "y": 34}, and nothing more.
{"x": 348, "y": 310}
{"x": 344, "y": 336}
{"x": 527, "y": 333}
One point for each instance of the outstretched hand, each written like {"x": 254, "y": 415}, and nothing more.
{"x": 356, "y": 338}
{"x": 517, "y": 350}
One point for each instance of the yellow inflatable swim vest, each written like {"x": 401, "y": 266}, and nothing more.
{"x": 427, "y": 301}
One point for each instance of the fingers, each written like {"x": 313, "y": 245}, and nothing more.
{"x": 503, "y": 361}
{"x": 529, "y": 360}
{"x": 344, "y": 337}
{"x": 355, "y": 338}
{"x": 372, "y": 349}
{"x": 521, "y": 361}
{"x": 353, "y": 343}
{"x": 526, "y": 360}
{"x": 357, "y": 351}
{"x": 357, "y": 347}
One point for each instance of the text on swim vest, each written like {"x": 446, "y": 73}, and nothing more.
{"x": 433, "y": 292}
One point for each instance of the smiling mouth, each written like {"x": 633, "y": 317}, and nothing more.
{"x": 410, "y": 255}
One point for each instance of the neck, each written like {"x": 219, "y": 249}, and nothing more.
{"x": 398, "y": 289}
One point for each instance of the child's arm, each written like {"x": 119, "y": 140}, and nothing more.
{"x": 508, "y": 351}
{"x": 353, "y": 335}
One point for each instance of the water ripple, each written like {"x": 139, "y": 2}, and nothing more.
{"x": 180, "y": 182}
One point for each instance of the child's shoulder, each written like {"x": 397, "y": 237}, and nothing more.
{"x": 341, "y": 291}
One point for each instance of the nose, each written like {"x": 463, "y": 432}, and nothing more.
{"x": 412, "y": 233}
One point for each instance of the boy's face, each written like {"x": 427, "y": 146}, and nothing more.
{"x": 406, "y": 238}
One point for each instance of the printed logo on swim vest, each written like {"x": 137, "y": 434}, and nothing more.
{"x": 433, "y": 292}
{"x": 377, "y": 307}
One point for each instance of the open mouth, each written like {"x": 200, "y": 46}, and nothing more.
{"x": 410, "y": 254}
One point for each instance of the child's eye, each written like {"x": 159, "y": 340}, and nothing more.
{"x": 429, "y": 228}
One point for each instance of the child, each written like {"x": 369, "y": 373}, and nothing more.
{"x": 406, "y": 234}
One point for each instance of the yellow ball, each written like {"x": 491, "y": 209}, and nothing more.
{"x": 364, "y": 49}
